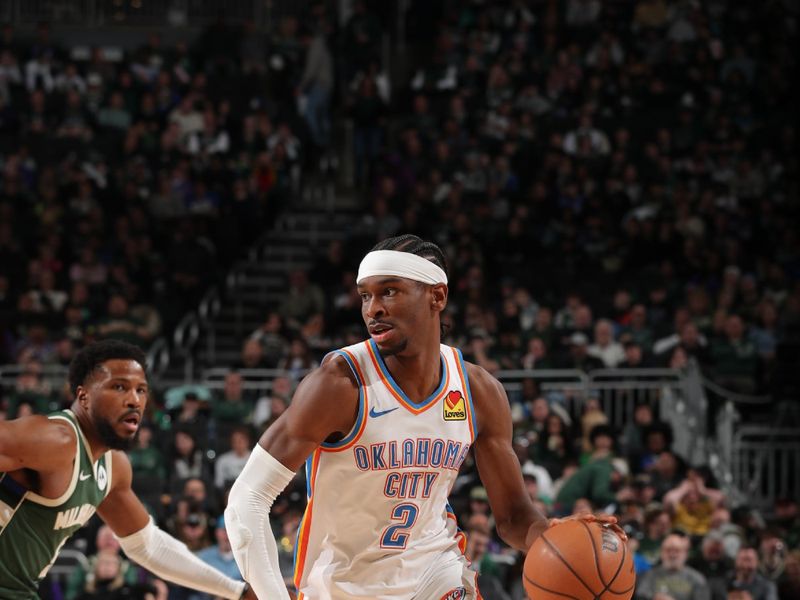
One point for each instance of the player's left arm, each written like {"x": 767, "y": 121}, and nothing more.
{"x": 518, "y": 520}
{"x": 153, "y": 548}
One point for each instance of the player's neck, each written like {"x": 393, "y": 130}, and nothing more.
{"x": 96, "y": 447}
{"x": 417, "y": 373}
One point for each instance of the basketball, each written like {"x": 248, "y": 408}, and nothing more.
{"x": 579, "y": 560}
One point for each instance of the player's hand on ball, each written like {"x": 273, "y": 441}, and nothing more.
{"x": 609, "y": 521}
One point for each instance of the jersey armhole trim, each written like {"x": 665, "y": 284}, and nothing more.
{"x": 52, "y": 502}
{"x": 462, "y": 373}
{"x": 361, "y": 418}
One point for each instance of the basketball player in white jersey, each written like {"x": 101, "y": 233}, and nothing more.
{"x": 382, "y": 427}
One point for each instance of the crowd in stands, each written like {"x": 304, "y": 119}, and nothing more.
{"x": 614, "y": 185}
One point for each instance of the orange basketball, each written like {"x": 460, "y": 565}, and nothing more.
{"x": 579, "y": 560}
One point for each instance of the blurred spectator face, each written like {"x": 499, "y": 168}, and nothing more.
{"x": 555, "y": 425}
{"x": 240, "y": 442}
{"x": 117, "y": 306}
{"x": 106, "y": 540}
{"x": 643, "y": 415}
{"x": 658, "y": 525}
{"x": 734, "y": 328}
{"x": 233, "y": 386}
{"x": 639, "y": 316}
{"x": 184, "y": 443}
{"x": 107, "y": 566}
{"x": 195, "y": 489}
{"x": 674, "y": 551}
{"x": 281, "y": 386}
{"x": 689, "y": 335}
{"x": 713, "y": 549}
{"x": 477, "y": 544}
{"x": 633, "y": 354}
{"x": 583, "y": 317}
{"x": 193, "y": 528}
{"x": 252, "y": 352}
{"x": 223, "y": 543}
{"x": 145, "y": 436}
{"x": 622, "y": 300}
{"x": 786, "y": 509}
{"x": 603, "y": 333}
{"x": 537, "y": 348}
{"x": 540, "y": 409}
{"x": 746, "y": 564}
{"x": 544, "y": 318}
{"x": 720, "y": 517}
{"x": 739, "y": 595}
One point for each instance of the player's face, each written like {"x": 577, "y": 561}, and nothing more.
{"x": 117, "y": 394}
{"x": 396, "y": 310}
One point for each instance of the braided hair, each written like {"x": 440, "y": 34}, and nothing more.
{"x": 414, "y": 245}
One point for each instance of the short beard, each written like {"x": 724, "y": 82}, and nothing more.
{"x": 110, "y": 438}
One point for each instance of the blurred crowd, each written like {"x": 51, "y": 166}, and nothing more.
{"x": 614, "y": 185}
{"x": 131, "y": 180}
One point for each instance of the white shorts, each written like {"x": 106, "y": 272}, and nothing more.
{"x": 449, "y": 578}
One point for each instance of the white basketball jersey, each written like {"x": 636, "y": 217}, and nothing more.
{"x": 377, "y": 510}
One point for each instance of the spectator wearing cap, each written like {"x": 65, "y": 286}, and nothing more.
{"x": 478, "y": 501}
{"x": 673, "y": 579}
{"x": 219, "y": 556}
{"x": 599, "y": 480}
{"x": 745, "y": 577}
{"x": 579, "y": 357}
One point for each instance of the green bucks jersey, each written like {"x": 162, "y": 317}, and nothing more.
{"x": 33, "y": 528}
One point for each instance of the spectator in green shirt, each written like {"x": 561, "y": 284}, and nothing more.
{"x": 599, "y": 479}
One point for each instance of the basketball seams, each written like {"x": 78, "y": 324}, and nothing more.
{"x": 548, "y": 590}
{"x": 619, "y": 568}
{"x": 556, "y": 551}
{"x": 621, "y": 592}
{"x": 601, "y": 562}
{"x": 596, "y": 558}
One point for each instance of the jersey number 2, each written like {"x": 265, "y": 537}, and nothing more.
{"x": 396, "y": 536}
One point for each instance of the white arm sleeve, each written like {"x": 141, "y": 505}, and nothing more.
{"x": 247, "y": 521}
{"x": 159, "y": 552}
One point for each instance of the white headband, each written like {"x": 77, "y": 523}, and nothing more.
{"x": 400, "y": 264}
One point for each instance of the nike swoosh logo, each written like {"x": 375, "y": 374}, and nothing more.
{"x": 374, "y": 413}
{"x": 84, "y": 476}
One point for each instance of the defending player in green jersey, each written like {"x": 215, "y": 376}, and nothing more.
{"x": 56, "y": 471}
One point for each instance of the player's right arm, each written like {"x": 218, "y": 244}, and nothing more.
{"x": 324, "y": 405}
{"x": 36, "y": 443}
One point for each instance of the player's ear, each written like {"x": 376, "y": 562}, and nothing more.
{"x": 82, "y": 396}
{"x": 438, "y": 297}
